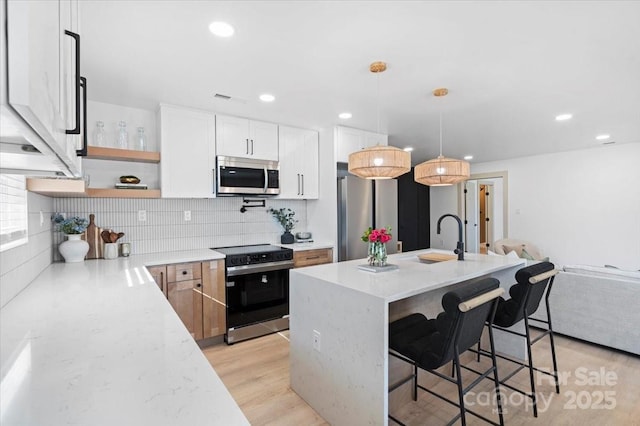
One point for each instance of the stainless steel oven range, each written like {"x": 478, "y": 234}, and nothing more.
{"x": 257, "y": 290}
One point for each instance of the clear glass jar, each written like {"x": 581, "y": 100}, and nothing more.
{"x": 99, "y": 135}
{"x": 123, "y": 136}
{"x": 377, "y": 254}
{"x": 141, "y": 140}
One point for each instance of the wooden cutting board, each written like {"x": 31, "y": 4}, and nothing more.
{"x": 93, "y": 238}
{"x": 436, "y": 257}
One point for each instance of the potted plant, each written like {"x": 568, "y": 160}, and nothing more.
{"x": 74, "y": 249}
{"x": 285, "y": 218}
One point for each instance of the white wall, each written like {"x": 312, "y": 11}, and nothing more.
{"x": 20, "y": 265}
{"x": 112, "y": 114}
{"x": 443, "y": 200}
{"x": 578, "y": 207}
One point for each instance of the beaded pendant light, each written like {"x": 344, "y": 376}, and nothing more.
{"x": 441, "y": 171}
{"x": 379, "y": 161}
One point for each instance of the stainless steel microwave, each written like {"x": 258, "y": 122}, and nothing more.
{"x": 246, "y": 176}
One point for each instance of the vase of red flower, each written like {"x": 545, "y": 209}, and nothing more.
{"x": 377, "y": 239}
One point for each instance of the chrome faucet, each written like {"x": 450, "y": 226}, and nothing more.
{"x": 460, "y": 246}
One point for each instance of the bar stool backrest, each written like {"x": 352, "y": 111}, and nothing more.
{"x": 524, "y": 294}
{"x": 463, "y": 329}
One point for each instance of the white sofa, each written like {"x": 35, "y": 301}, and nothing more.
{"x": 597, "y": 304}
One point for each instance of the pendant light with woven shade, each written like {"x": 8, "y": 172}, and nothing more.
{"x": 379, "y": 161}
{"x": 441, "y": 171}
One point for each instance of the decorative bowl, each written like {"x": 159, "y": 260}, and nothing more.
{"x": 129, "y": 179}
{"x": 303, "y": 235}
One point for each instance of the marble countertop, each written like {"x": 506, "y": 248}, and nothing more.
{"x": 307, "y": 246}
{"x": 412, "y": 276}
{"x": 96, "y": 343}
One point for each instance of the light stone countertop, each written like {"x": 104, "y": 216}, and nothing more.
{"x": 412, "y": 276}
{"x": 307, "y": 246}
{"x": 97, "y": 343}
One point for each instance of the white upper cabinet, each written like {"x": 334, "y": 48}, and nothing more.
{"x": 298, "y": 163}
{"x": 240, "y": 137}
{"x": 41, "y": 68}
{"x": 349, "y": 140}
{"x": 187, "y": 141}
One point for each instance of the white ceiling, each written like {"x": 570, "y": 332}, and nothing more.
{"x": 510, "y": 67}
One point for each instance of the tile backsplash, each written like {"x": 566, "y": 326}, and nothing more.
{"x": 214, "y": 222}
{"x": 21, "y": 265}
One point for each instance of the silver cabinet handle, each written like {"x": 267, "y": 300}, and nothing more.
{"x": 247, "y": 146}
{"x": 251, "y": 146}
{"x": 298, "y": 184}
{"x": 302, "y": 176}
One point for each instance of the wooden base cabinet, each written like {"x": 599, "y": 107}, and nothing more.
{"x": 184, "y": 291}
{"x": 213, "y": 299}
{"x": 197, "y": 294}
{"x": 312, "y": 257}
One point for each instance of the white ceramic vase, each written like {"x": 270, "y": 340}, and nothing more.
{"x": 74, "y": 249}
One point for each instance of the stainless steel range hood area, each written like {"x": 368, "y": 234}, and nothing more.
{"x": 38, "y": 85}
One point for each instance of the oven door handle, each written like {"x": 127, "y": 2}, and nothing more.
{"x": 257, "y": 268}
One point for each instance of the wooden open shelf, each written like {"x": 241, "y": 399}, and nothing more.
{"x": 63, "y": 188}
{"x": 100, "y": 153}
{"x": 122, "y": 193}
{"x": 57, "y": 187}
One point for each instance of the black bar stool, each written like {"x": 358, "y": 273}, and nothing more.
{"x": 429, "y": 344}
{"x": 526, "y": 295}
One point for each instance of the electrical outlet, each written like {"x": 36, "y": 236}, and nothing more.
{"x": 441, "y": 243}
{"x": 316, "y": 340}
{"x": 142, "y": 215}
{"x": 41, "y": 219}
{"x": 187, "y": 215}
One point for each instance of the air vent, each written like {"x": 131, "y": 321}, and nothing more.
{"x": 221, "y": 96}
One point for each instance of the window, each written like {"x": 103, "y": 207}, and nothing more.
{"x": 13, "y": 211}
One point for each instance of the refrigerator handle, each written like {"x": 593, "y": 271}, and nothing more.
{"x": 342, "y": 214}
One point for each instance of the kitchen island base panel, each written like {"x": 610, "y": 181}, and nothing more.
{"x": 342, "y": 380}
{"x": 347, "y": 379}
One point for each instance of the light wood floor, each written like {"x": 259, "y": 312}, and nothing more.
{"x": 256, "y": 372}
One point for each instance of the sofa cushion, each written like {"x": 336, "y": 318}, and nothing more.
{"x": 601, "y": 271}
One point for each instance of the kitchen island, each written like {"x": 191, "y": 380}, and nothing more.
{"x": 339, "y": 318}
{"x": 97, "y": 343}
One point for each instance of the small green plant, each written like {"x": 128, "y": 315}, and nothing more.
{"x": 285, "y": 218}
{"x": 72, "y": 225}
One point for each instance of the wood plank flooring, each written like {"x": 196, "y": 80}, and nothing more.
{"x": 256, "y": 372}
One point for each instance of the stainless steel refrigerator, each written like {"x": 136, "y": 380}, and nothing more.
{"x": 363, "y": 203}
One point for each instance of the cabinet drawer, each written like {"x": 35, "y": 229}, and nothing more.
{"x": 312, "y": 257}
{"x": 184, "y": 272}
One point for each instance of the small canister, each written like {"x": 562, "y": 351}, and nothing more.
{"x": 125, "y": 249}
{"x": 110, "y": 251}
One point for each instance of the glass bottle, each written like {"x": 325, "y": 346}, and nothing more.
{"x": 141, "y": 140}
{"x": 99, "y": 135}
{"x": 123, "y": 136}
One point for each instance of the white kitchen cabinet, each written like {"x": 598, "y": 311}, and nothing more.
{"x": 298, "y": 163}
{"x": 187, "y": 141}
{"x": 241, "y": 137}
{"x": 349, "y": 140}
{"x": 41, "y": 61}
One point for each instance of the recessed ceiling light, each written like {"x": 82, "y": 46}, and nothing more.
{"x": 345, "y": 115}
{"x": 603, "y": 137}
{"x": 266, "y": 97}
{"x": 563, "y": 117}
{"x": 221, "y": 29}
{"x": 408, "y": 149}
{"x": 468, "y": 157}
